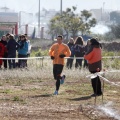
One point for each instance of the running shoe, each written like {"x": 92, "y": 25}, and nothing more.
{"x": 62, "y": 79}
{"x": 56, "y": 92}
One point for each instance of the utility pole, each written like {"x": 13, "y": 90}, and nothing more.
{"x": 103, "y": 7}
{"x": 20, "y": 22}
{"x": 61, "y": 7}
{"x": 103, "y": 11}
{"x": 39, "y": 20}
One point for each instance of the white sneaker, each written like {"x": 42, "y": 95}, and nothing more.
{"x": 62, "y": 79}
{"x": 56, "y": 92}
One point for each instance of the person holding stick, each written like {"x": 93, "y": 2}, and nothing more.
{"x": 93, "y": 56}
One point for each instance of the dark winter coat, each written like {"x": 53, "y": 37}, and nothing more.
{"x": 71, "y": 47}
{"x": 12, "y": 46}
{"x": 79, "y": 50}
{"x": 93, "y": 56}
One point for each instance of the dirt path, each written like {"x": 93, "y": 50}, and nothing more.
{"x": 34, "y": 101}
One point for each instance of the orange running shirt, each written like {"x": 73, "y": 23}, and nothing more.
{"x": 58, "y": 49}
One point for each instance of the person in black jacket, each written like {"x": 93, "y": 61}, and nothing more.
{"x": 86, "y": 49}
{"x": 79, "y": 51}
{"x": 71, "y": 47}
{"x": 12, "y": 47}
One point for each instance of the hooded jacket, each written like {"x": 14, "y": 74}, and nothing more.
{"x": 23, "y": 49}
{"x": 93, "y": 56}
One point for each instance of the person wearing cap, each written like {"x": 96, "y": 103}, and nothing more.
{"x": 57, "y": 52}
{"x": 93, "y": 56}
{"x": 12, "y": 46}
{"x": 22, "y": 51}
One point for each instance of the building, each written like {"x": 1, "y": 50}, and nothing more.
{"x": 45, "y": 17}
{"x": 101, "y": 15}
{"x": 8, "y": 21}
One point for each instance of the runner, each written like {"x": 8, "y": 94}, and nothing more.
{"x": 57, "y": 52}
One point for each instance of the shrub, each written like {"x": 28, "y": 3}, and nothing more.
{"x": 41, "y": 53}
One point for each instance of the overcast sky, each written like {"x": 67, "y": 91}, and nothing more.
{"x": 32, "y": 5}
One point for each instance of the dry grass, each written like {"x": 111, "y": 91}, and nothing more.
{"x": 27, "y": 94}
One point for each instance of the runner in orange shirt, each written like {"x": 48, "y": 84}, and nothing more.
{"x": 57, "y": 52}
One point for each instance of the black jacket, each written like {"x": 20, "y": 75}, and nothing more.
{"x": 12, "y": 47}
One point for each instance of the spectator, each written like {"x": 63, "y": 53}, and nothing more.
{"x": 79, "y": 51}
{"x": 22, "y": 51}
{"x": 7, "y": 37}
{"x": 86, "y": 49}
{"x": 2, "y": 49}
{"x": 19, "y": 40}
{"x": 29, "y": 47}
{"x": 4, "y": 42}
{"x": 93, "y": 56}
{"x": 12, "y": 46}
{"x": 71, "y": 47}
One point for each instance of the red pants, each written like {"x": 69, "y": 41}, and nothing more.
{"x": 1, "y": 60}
